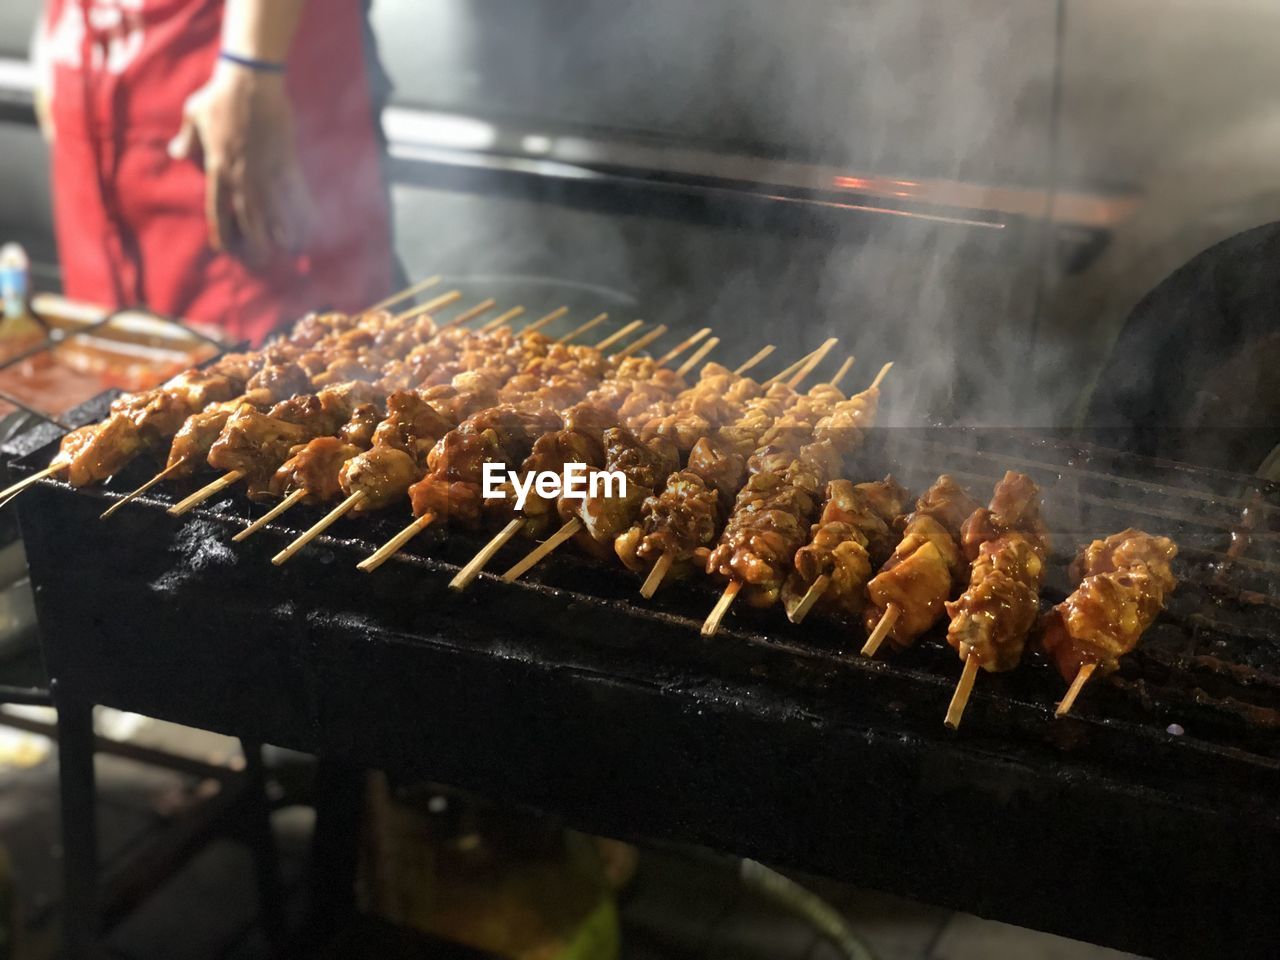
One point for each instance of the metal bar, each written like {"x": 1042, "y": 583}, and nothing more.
{"x": 80, "y": 918}
{"x": 26, "y": 696}
{"x": 262, "y": 843}
{"x": 188, "y": 766}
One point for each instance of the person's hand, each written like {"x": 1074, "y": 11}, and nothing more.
{"x": 241, "y": 123}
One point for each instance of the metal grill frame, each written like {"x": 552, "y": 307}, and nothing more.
{"x": 775, "y": 742}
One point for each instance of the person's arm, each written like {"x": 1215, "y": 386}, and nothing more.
{"x": 241, "y": 123}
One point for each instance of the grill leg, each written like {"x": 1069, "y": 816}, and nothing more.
{"x": 79, "y": 827}
{"x": 266, "y": 859}
{"x": 339, "y": 800}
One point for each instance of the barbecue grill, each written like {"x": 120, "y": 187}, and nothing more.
{"x": 567, "y": 692}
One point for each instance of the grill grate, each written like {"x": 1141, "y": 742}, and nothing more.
{"x": 569, "y": 693}
{"x": 1211, "y": 664}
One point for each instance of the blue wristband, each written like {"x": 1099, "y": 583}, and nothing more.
{"x": 262, "y": 66}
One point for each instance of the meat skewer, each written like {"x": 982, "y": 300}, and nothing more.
{"x": 424, "y": 518}
{"x": 379, "y": 476}
{"x": 926, "y": 566}
{"x": 1006, "y": 544}
{"x": 220, "y": 484}
{"x": 836, "y": 563}
{"x": 681, "y": 522}
{"x": 594, "y": 521}
{"x": 774, "y": 509}
{"x": 570, "y": 436}
{"x": 456, "y": 348}
{"x": 545, "y": 449}
{"x": 312, "y": 471}
{"x": 284, "y": 357}
{"x": 296, "y": 496}
{"x": 1124, "y": 580}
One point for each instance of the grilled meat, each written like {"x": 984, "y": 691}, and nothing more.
{"x": 1126, "y": 578}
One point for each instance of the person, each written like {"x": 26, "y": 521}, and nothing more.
{"x": 217, "y": 160}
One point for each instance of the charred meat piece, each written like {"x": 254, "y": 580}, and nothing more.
{"x": 255, "y": 443}
{"x": 551, "y": 452}
{"x": 679, "y": 521}
{"x": 1125, "y": 551}
{"x": 98, "y": 452}
{"x": 992, "y": 618}
{"x": 720, "y": 465}
{"x": 452, "y": 490}
{"x": 1126, "y": 578}
{"x": 384, "y": 474}
{"x": 192, "y": 443}
{"x": 276, "y": 381}
{"x": 918, "y": 579}
{"x": 839, "y": 544}
{"x": 838, "y": 551}
{"x": 1008, "y": 542}
{"x": 946, "y": 502}
{"x": 611, "y": 511}
{"x": 1015, "y": 505}
{"x": 412, "y": 423}
{"x": 315, "y": 469}
{"x": 868, "y": 507}
{"x": 359, "y": 429}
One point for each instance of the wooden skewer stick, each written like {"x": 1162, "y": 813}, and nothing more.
{"x": 843, "y": 371}
{"x": 698, "y": 354}
{"x": 811, "y": 596}
{"x": 881, "y": 375}
{"x": 882, "y": 629}
{"x": 591, "y": 324}
{"x": 502, "y": 319}
{"x": 1082, "y": 677}
{"x": 541, "y": 322}
{"x": 453, "y": 296}
{"x": 960, "y": 698}
{"x": 325, "y": 522}
{"x": 626, "y": 331}
{"x": 785, "y": 372}
{"x": 205, "y": 492}
{"x": 466, "y": 316}
{"x": 682, "y": 346}
{"x": 128, "y": 497}
{"x": 544, "y": 549}
{"x": 712, "y": 623}
{"x": 392, "y": 546}
{"x": 764, "y": 352}
{"x": 643, "y": 342}
{"x": 789, "y": 371}
{"x": 404, "y": 294}
{"x": 270, "y": 515}
{"x": 10, "y": 492}
{"x": 477, "y": 563}
{"x": 659, "y": 573}
{"x": 817, "y": 357}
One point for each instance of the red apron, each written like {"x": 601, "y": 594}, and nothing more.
{"x": 130, "y": 221}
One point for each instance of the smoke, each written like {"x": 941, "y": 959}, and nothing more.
{"x": 926, "y": 93}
